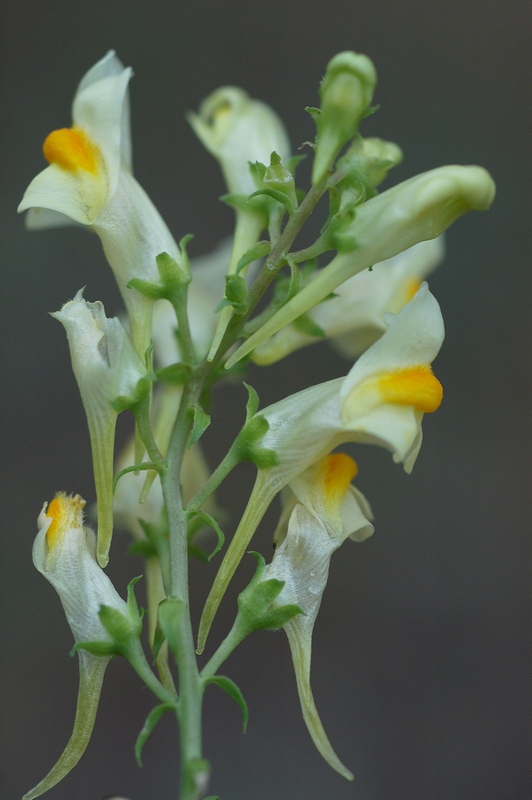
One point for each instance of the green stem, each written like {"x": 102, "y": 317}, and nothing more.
{"x": 179, "y": 302}
{"x": 221, "y": 472}
{"x": 137, "y": 659}
{"x": 230, "y": 643}
{"x": 190, "y": 686}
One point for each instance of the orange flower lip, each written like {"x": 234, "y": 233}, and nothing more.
{"x": 338, "y": 470}
{"x": 416, "y": 386}
{"x": 71, "y": 149}
{"x": 66, "y": 512}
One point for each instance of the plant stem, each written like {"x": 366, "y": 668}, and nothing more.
{"x": 221, "y": 472}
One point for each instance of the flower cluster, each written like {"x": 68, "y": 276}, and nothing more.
{"x": 180, "y": 334}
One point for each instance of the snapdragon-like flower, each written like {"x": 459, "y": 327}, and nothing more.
{"x": 107, "y": 367}
{"x": 63, "y": 553}
{"x": 239, "y": 131}
{"x": 324, "y": 509}
{"x": 381, "y": 401}
{"x": 411, "y": 212}
{"x": 89, "y": 181}
{"x": 354, "y": 318}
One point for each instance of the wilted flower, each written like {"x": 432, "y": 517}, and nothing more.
{"x": 63, "y": 553}
{"x": 107, "y": 367}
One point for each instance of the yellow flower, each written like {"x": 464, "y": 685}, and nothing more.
{"x": 89, "y": 181}
{"x": 63, "y": 552}
{"x": 324, "y": 509}
{"x": 381, "y": 401}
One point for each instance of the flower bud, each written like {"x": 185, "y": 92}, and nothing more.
{"x": 346, "y": 92}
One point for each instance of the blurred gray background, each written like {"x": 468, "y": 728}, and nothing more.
{"x": 422, "y": 666}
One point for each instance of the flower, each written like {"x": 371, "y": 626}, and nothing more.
{"x": 381, "y": 401}
{"x": 238, "y": 130}
{"x": 89, "y": 181}
{"x": 324, "y": 509}
{"x": 107, "y": 367}
{"x": 63, "y": 553}
{"x": 346, "y": 92}
{"x": 354, "y": 318}
{"x": 411, "y": 212}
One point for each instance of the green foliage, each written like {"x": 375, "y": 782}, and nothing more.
{"x": 256, "y": 604}
{"x": 230, "y": 688}
{"x": 201, "y": 422}
{"x": 151, "y": 721}
{"x": 177, "y": 373}
{"x": 216, "y": 528}
{"x": 260, "y": 250}
{"x": 169, "y": 612}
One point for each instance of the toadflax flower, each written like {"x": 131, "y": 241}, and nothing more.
{"x": 107, "y": 367}
{"x": 381, "y": 401}
{"x": 239, "y": 131}
{"x": 89, "y": 181}
{"x": 354, "y": 318}
{"x": 324, "y": 510}
{"x": 63, "y": 553}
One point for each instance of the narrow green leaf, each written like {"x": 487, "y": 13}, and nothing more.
{"x": 260, "y": 250}
{"x": 154, "y": 291}
{"x": 278, "y": 617}
{"x": 158, "y": 640}
{"x": 201, "y": 422}
{"x": 252, "y": 405}
{"x": 275, "y": 194}
{"x": 102, "y": 649}
{"x": 169, "y": 611}
{"x": 142, "y": 548}
{"x": 216, "y": 528}
{"x": 134, "y": 468}
{"x": 151, "y": 721}
{"x": 174, "y": 373}
{"x": 230, "y": 688}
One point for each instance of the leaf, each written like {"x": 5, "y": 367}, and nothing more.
{"x": 134, "y": 468}
{"x": 252, "y": 405}
{"x": 275, "y": 194}
{"x": 142, "y": 548}
{"x": 230, "y": 688}
{"x": 174, "y": 373}
{"x": 260, "y": 250}
{"x": 169, "y": 611}
{"x": 158, "y": 640}
{"x": 218, "y": 531}
{"x": 200, "y": 425}
{"x": 151, "y": 721}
